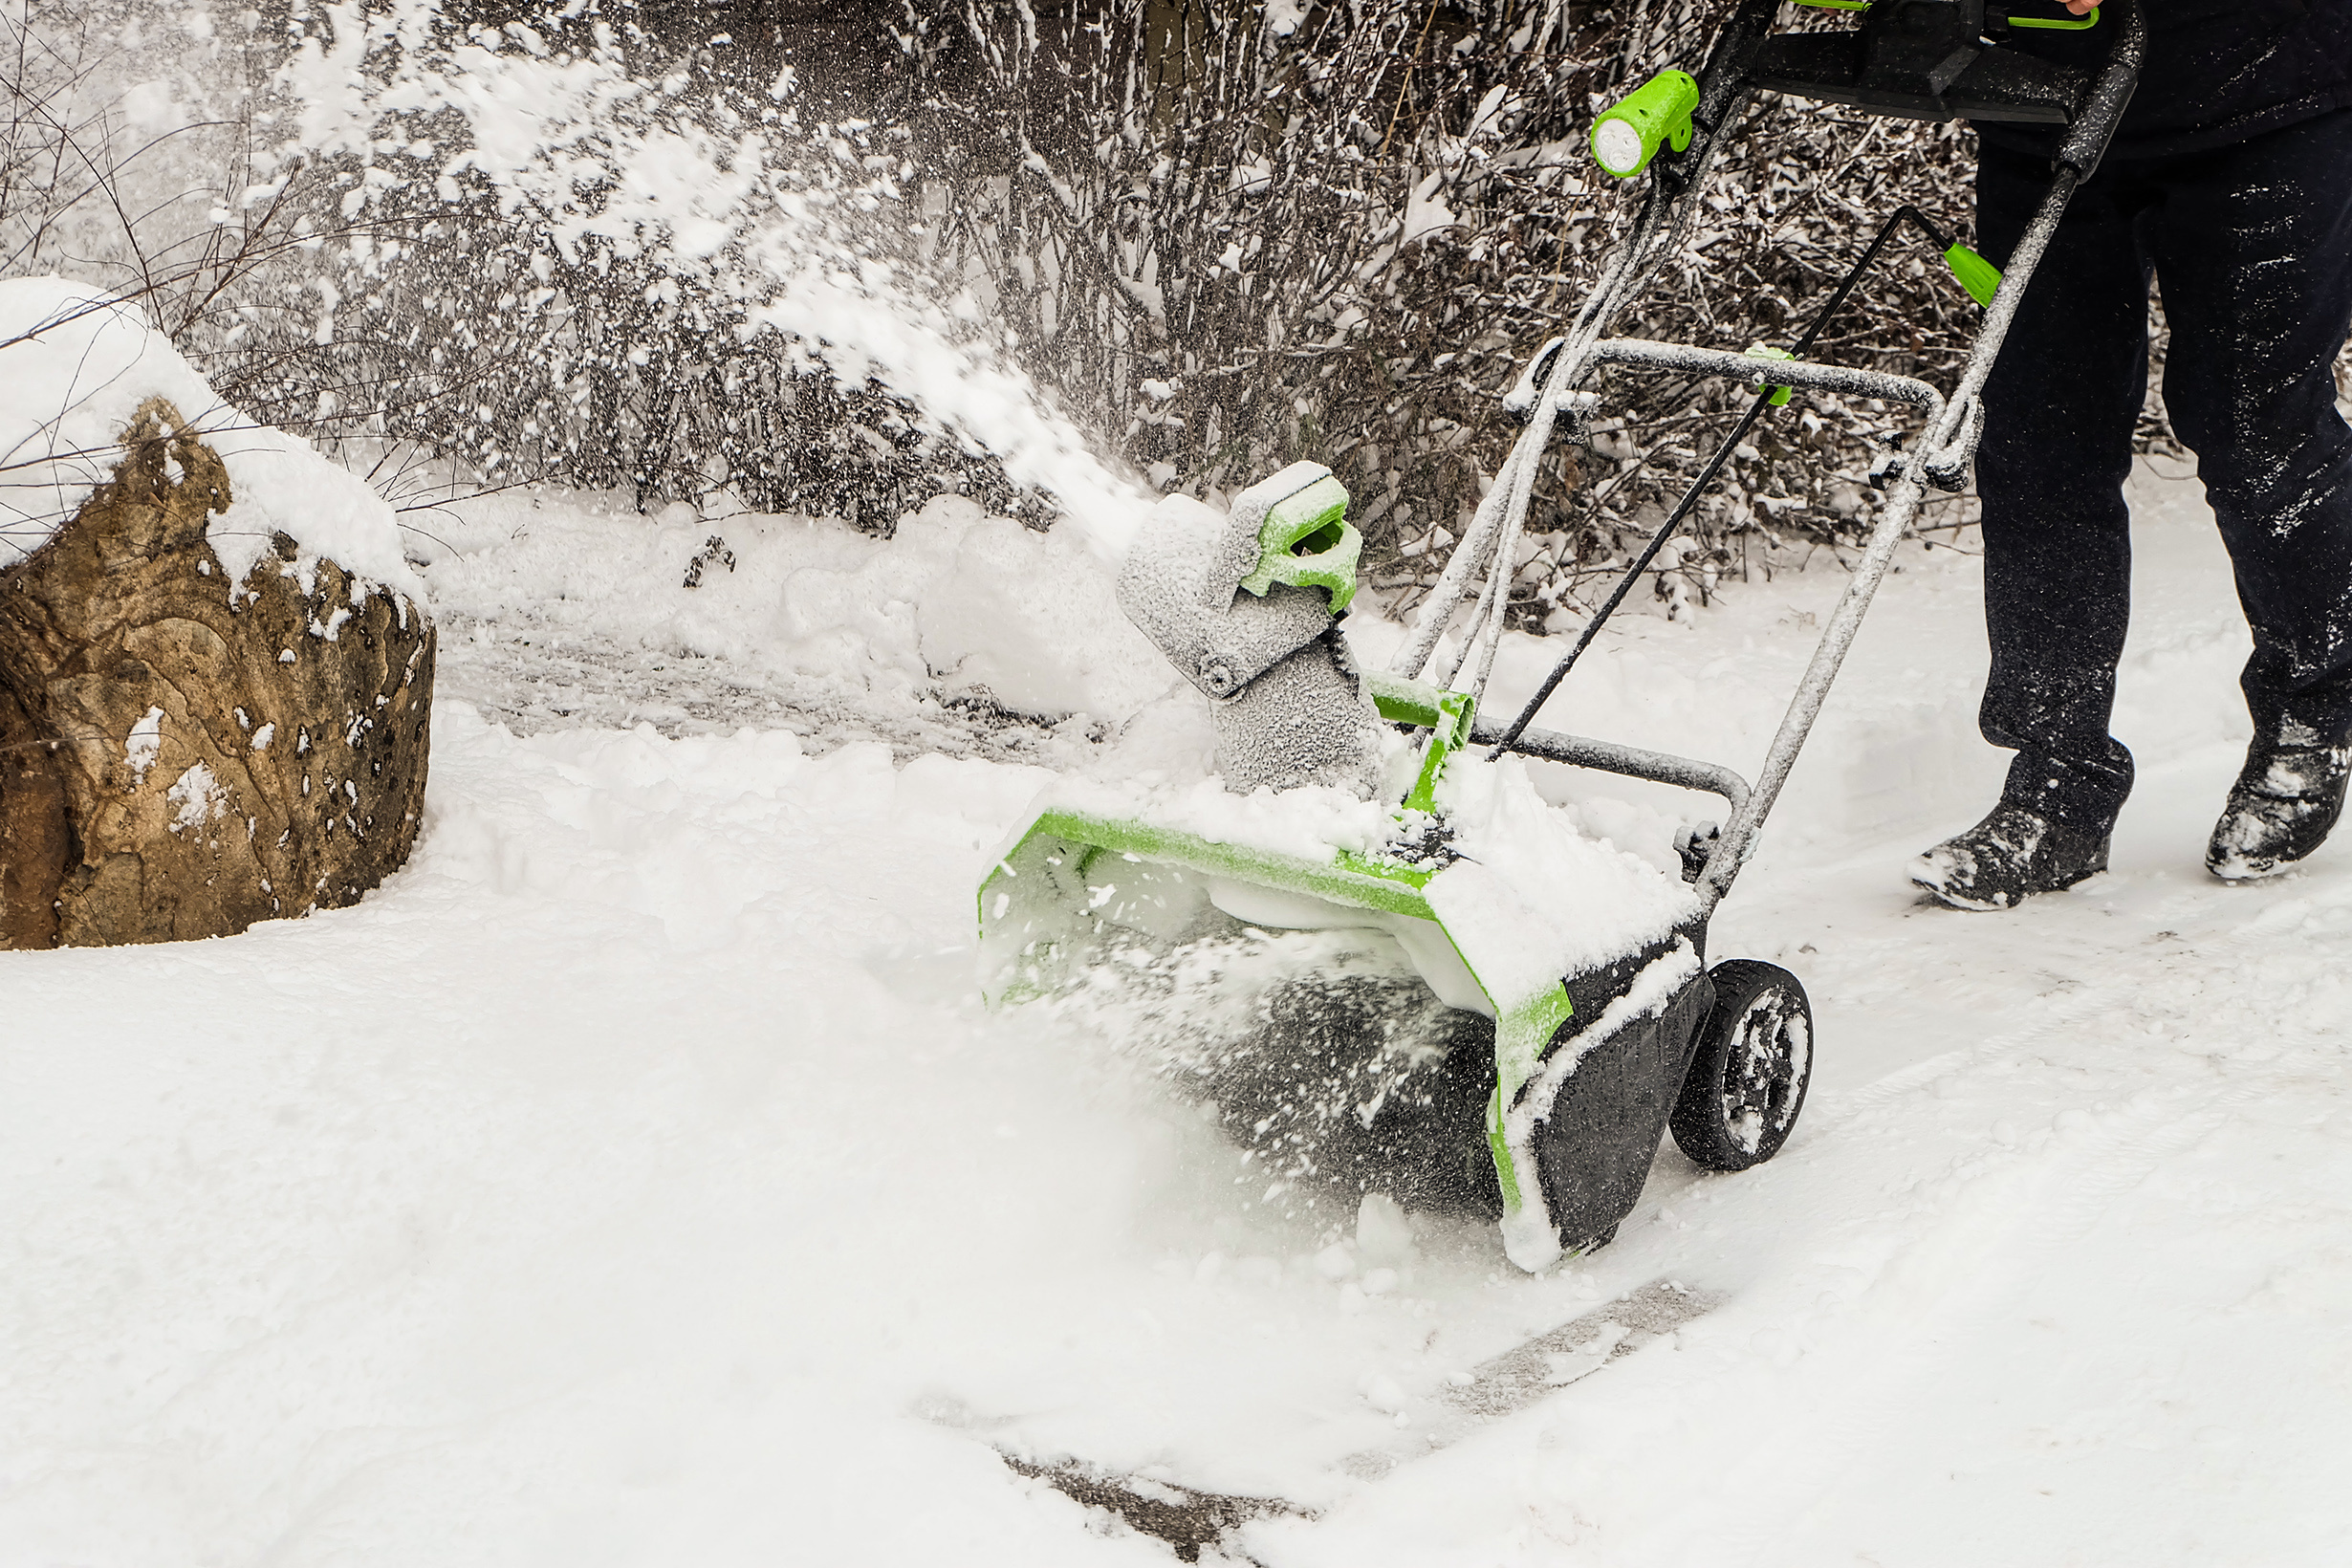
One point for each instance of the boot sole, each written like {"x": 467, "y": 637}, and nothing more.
{"x": 2248, "y": 871}
{"x": 1951, "y": 899}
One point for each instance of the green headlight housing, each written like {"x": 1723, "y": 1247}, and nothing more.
{"x": 1655, "y": 115}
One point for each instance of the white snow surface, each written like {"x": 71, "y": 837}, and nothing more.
{"x": 75, "y": 364}
{"x": 635, "y": 1179}
{"x": 1532, "y": 898}
{"x": 955, "y": 602}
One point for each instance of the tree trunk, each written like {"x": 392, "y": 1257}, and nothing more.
{"x": 180, "y": 757}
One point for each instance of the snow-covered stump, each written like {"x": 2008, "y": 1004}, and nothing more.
{"x": 204, "y": 721}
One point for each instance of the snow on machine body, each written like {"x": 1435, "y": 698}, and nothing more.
{"x": 1590, "y": 961}
{"x": 1609, "y": 1027}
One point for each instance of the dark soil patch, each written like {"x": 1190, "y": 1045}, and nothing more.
{"x": 1187, "y": 1520}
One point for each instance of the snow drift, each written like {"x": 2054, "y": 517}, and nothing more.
{"x": 77, "y": 362}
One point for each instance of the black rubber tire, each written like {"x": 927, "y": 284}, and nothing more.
{"x": 1748, "y": 1076}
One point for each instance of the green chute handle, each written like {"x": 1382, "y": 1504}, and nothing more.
{"x": 1655, "y": 115}
{"x": 1307, "y": 542}
{"x": 1977, "y": 275}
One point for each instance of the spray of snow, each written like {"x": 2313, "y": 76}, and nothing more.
{"x": 581, "y": 145}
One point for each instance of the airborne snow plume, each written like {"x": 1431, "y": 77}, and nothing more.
{"x": 589, "y": 153}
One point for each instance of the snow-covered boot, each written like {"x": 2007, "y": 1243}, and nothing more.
{"x": 2010, "y": 854}
{"x": 2285, "y": 801}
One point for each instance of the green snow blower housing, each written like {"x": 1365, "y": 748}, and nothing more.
{"x": 1342, "y": 802}
{"x": 1094, "y": 868}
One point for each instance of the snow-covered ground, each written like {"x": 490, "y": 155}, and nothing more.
{"x": 636, "y": 1179}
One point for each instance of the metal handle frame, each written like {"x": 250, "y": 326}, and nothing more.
{"x": 1952, "y": 424}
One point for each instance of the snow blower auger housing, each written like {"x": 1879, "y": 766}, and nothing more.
{"x": 1609, "y": 1028}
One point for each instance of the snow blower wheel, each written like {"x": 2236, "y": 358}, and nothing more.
{"x": 1747, "y": 1077}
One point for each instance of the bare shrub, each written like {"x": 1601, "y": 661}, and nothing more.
{"x": 149, "y": 191}
{"x": 1234, "y": 235}
{"x": 556, "y": 259}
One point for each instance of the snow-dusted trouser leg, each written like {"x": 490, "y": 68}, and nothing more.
{"x": 1951, "y": 435}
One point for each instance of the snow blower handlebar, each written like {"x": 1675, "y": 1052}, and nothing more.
{"x": 1773, "y": 387}
{"x": 1914, "y": 58}
{"x": 1953, "y": 431}
{"x": 1657, "y": 232}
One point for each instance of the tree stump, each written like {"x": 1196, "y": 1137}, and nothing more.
{"x": 181, "y": 756}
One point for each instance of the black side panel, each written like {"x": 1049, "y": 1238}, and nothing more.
{"x": 2001, "y": 85}
{"x": 1590, "y": 993}
{"x": 1593, "y": 1150}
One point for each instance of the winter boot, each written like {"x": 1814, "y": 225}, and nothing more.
{"x": 2010, "y": 854}
{"x": 2280, "y": 809}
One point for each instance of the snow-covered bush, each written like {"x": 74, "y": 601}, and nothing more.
{"x": 561, "y": 252}
{"x": 1235, "y": 234}
{"x": 544, "y": 239}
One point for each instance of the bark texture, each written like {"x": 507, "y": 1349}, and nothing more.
{"x": 180, "y": 757}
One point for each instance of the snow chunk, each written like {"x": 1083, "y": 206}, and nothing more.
{"x": 75, "y": 363}
{"x": 1535, "y": 898}
{"x": 200, "y": 798}
{"x": 144, "y": 745}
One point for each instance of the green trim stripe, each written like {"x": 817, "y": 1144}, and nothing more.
{"x": 1353, "y": 880}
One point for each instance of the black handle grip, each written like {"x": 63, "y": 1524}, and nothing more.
{"x": 2094, "y": 128}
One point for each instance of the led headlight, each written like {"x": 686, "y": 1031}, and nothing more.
{"x": 1657, "y": 114}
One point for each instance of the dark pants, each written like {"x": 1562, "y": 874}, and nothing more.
{"x": 2252, "y": 245}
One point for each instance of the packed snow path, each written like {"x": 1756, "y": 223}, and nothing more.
{"x": 532, "y": 679}
{"x": 635, "y": 1180}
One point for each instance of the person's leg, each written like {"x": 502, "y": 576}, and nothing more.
{"x": 2253, "y": 246}
{"x": 2060, "y": 409}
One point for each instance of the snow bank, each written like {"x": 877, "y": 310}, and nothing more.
{"x": 634, "y": 1180}
{"x": 75, "y": 364}
{"x": 955, "y": 604}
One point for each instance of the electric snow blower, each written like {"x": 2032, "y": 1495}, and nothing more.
{"x": 1383, "y": 803}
